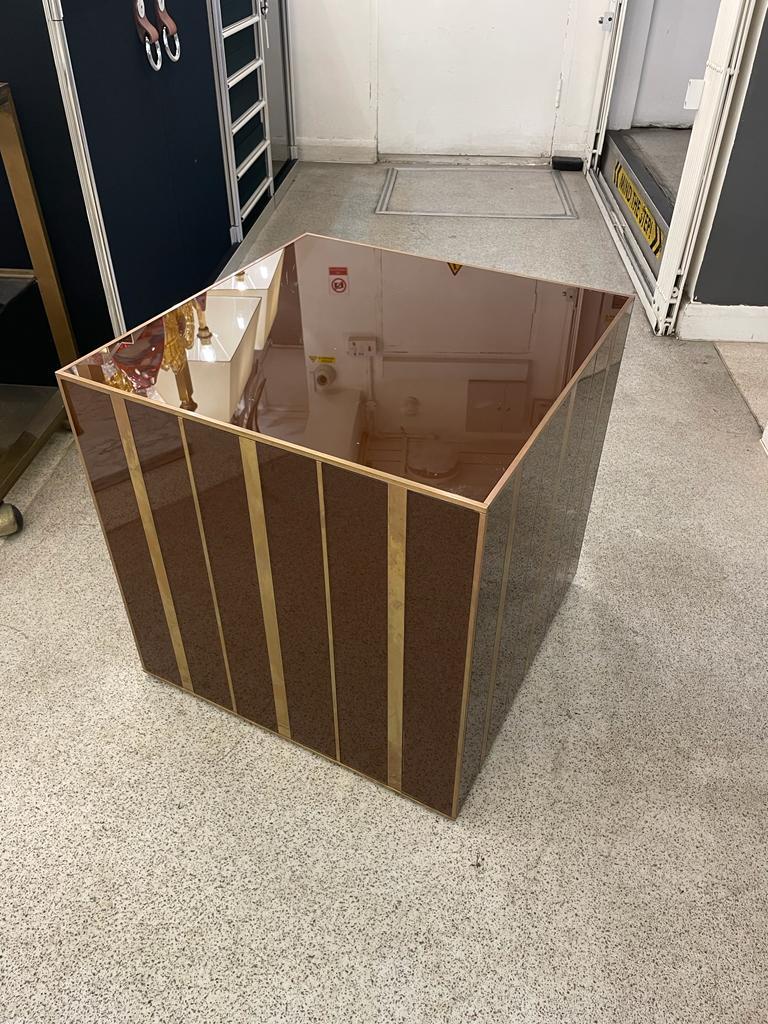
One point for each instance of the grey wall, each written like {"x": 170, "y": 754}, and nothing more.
{"x": 734, "y": 272}
{"x": 678, "y": 46}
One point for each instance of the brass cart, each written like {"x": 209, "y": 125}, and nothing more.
{"x": 28, "y": 414}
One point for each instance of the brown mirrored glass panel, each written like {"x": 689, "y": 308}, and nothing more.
{"x": 534, "y": 528}
{"x": 345, "y": 491}
{"x": 101, "y": 447}
{"x": 432, "y": 372}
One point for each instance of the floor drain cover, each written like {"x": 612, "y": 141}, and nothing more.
{"x": 516, "y": 193}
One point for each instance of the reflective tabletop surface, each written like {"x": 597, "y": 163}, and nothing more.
{"x": 428, "y": 371}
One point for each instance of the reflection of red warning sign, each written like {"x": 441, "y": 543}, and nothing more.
{"x": 338, "y": 279}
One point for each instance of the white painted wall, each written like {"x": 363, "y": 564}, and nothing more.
{"x": 474, "y": 78}
{"x": 580, "y": 67}
{"x": 678, "y": 46}
{"x": 443, "y": 76}
{"x": 637, "y": 26}
{"x": 334, "y": 56}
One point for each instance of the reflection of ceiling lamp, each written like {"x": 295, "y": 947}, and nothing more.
{"x": 207, "y": 351}
{"x": 205, "y": 336}
{"x": 240, "y": 282}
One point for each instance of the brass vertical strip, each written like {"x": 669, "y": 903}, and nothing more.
{"x": 397, "y": 498}
{"x": 206, "y": 557}
{"x": 500, "y": 615}
{"x": 328, "y": 613}
{"x": 540, "y": 587}
{"x": 252, "y": 478}
{"x": 479, "y": 548}
{"x": 150, "y": 532}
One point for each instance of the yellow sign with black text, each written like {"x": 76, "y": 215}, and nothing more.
{"x": 637, "y": 206}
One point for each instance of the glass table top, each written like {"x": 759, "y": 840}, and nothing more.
{"x": 425, "y": 370}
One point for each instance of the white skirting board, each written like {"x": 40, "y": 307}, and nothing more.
{"x": 338, "y": 151}
{"x": 699, "y": 321}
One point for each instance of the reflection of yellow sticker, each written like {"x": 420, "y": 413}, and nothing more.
{"x": 455, "y": 268}
{"x": 652, "y": 233}
{"x": 323, "y": 359}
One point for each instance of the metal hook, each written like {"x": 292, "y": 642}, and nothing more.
{"x": 157, "y": 62}
{"x": 148, "y": 35}
{"x": 169, "y": 31}
{"x": 171, "y": 56}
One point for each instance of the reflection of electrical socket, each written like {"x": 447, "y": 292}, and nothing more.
{"x": 362, "y": 345}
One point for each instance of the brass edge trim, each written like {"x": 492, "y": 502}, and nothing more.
{"x": 629, "y": 297}
{"x": 479, "y": 548}
{"x": 481, "y": 506}
{"x": 500, "y": 615}
{"x": 397, "y": 501}
{"x": 303, "y": 746}
{"x": 328, "y": 612}
{"x": 580, "y": 502}
{"x": 252, "y": 478}
{"x": 274, "y": 442}
{"x": 150, "y": 532}
{"x": 207, "y": 559}
{"x": 548, "y": 534}
{"x": 87, "y": 475}
{"x": 575, "y": 485}
{"x": 559, "y": 401}
{"x": 437, "y": 259}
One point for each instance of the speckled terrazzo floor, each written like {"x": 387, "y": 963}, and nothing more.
{"x": 161, "y": 861}
{"x": 747, "y": 363}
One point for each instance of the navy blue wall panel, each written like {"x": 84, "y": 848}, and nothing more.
{"x": 156, "y": 151}
{"x": 26, "y": 63}
{"x": 155, "y": 148}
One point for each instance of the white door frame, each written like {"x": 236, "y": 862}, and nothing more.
{"x": 662, "y": 301}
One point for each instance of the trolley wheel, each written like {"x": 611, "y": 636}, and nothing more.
{"x": 11, "y": 520}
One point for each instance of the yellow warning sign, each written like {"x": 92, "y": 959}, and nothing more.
{"x": 652, "y": 233}
{"x": 455, "y": 268}
{"x": 323, "y": 359}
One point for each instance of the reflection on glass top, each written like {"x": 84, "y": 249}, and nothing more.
{"x": 429, "y": 371}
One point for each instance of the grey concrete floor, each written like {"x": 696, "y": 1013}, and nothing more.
{"x": 477, "y": 191}
{"x": 161, "y": 861}
{"x": 664, "y": 151}
{"x": 747, "y": 363}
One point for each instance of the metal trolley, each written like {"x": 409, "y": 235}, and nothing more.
{"x": 30, "y": 413}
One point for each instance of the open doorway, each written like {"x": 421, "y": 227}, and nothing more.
{"x": 665, "y": 88}
{"x": 663, "y": 54}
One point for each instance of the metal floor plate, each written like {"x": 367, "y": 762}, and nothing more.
{"x": 514, "y": 193}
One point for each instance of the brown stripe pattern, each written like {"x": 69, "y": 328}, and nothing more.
{"x": 374, "y": 623}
